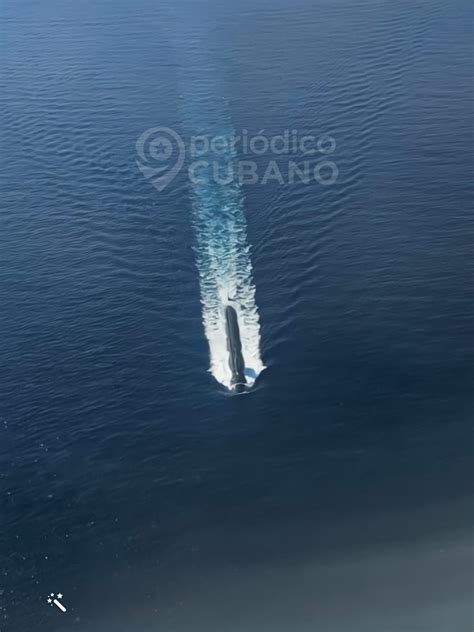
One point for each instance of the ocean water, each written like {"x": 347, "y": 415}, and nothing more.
{"x": 335, "y": 495}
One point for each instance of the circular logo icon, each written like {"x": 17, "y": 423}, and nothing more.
{"x": 161, "y": 153}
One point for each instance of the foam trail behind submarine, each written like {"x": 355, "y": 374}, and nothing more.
{"x": 225, "y": 270}
{"x": 218, "y": 213}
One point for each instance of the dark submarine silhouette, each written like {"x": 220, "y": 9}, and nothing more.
{"x": 234, "y": 347}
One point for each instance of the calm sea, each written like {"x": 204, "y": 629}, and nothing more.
{"x": 333, "y": 497}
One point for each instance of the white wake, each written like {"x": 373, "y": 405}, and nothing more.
{"x": 225, "y": 268}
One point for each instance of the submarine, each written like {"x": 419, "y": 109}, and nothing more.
{"x": 234, "y": 347}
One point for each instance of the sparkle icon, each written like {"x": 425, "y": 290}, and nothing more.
{"x": 53, "y": 600}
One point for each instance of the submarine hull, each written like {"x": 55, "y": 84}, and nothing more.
{"x": 234, "y": 347}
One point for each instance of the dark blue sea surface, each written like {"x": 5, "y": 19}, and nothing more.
{"x": 336, "y": 496}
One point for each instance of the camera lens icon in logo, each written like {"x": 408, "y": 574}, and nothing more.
{"x": 161, "y": 152}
